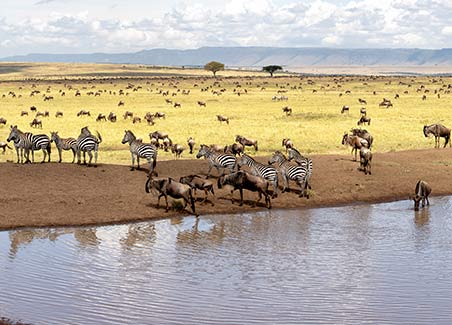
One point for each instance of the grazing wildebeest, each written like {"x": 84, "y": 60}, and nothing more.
{"x": 4, "y": 145}
{"x": 168, "y": 101}
{"x": 287, "y": 143}
{"x": 200, "y": 103}
{"x": 355, "y": 142}
{"x": 363, "y": 111}
{"x": 44, "y": 114}
{"x": 235, "y": 149}
{"x": 242, "y": 180}
{"x": 166, "y": 186}
{"x": 386, "y": 102}
{"x": 177, "y": 150}
{"x": 345, "y": 109}
{"x": 136, "y": 119}
{"x": 246, "y": 142}
{"x": 59, "y": 114}
{"x": 287, "y": 110}
{"x": 198, "y": 183}
{"x": 222, "y": 118}
{"x": 36, "y": 123}
{"x": 83, "y": 112}
{"x": 33, "y": 108}
{"x": 439, "y": 131}
{"x": 363, "y": 133}
{"x": 160, "y": 115}
{"x": 363, "y": 120}
{"x": 23, "y": 113}
{"x": 362, "y": 101}
{"x": 112, "y": 117}
{"x": 365, "y": 159}
{"x": 128, "y": 114}
{"x": 101, "y": 117}
{"x": 121, "y": 103}
{"x": 191, "y": 144}
{"x": 177, "y": 105}
{"x": 424, "y": 97}
{"x": 3, "y": 121}
{"x": 158, "y": 135}
{"x": 422, "y": 192}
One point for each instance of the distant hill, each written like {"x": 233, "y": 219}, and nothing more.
{"x": 257, "y": 57}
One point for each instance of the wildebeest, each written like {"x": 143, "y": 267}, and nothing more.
{"x": 177, "y": 150}
{"x": 438, "y": 131}
{"x": 3, "y": 121}
{"x": 198, "y": 183}
{"x": 235, "y": 149}
{"x": 112, "y": 117}
{"x": 158, "y": 135}
{"x": 44, "y": 114}
{"x": 200, "y": 103}
{"x": 101, "y": 117}
{"x": 345, "y": 109}
{"x": 242, "y": 180}
{"x": 191, "y": 144}
{"x": 363, "y": 120}
{"x": 355, "y": 142}
{"x": 4, "y": 145}
{"x": 83, "y": 112}
{"x": 246, "y": 142}
{"x": 287, "y": 110}
{"x": 166, "y": 186}
{"x": 36, "y": 123}
{"x": 365, "y": 159}
{"x": 177, "y": 105}
{"x": 136, "y": 119}
{"x": 121, "y": 103}
{"x": 363, "y": 133}
{"x": 223, "y": 118}
{"x": 287, "y": 143}
{"x": 59, "y": 114}
{"x": 362, "y": 101}
{"x": 24, "y": 113}
{"x": 33, "y": 108}
{"x": 363, "y": 111}
{"x": 128, "y": 114}
{"x": 386, "y": 102}
{"x": 422, "y": 192}
{"x": 167, "y": 143}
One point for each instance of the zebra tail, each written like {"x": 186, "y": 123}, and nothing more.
{"x": 99, "y": 136}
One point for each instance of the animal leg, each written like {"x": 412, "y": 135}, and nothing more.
{"x": 133, "y": 162}
{"x": 90, "y": 154}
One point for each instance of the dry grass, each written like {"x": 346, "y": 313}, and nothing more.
{"x": 316, "y": 125}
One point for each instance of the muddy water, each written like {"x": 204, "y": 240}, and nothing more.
{"x": 363, "y": 264}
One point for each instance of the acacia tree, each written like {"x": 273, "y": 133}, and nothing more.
{"x": 271, "y": 69}
{"x": 214, "y": 67}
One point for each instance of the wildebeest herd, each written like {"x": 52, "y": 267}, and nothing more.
{"x": 233, "y": 157}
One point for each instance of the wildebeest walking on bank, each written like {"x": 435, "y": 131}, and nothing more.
{"x": 197, "y": 182}
{"x": 422, "y": 192}
{"x": 139, "y": 150}
{"x": 355, "y": 142}
{"x": 438, "y": 131}
{"x": 267, "y": 172}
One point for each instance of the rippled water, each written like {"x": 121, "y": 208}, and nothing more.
{"x": 373, "y": 264}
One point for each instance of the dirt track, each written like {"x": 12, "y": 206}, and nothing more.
{"x": 66, "y": 194}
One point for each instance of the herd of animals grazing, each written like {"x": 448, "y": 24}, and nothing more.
{"x": 261, "y": 178}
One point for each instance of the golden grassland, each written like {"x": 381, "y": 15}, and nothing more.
{"x": 316, "y": 125}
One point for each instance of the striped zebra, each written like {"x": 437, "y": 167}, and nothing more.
{"x": 217, "y": 160}
{"x": 21, "y": 143}
{"x": 290, "y": 172}
{"x": 267, "y": 172}
{"x": 141, "y": 150}
{"x": 301, "y": 161}
{"x": 26, "y": 142}
{"x": 87, "y": 142}
{"x": 64, "y": 144}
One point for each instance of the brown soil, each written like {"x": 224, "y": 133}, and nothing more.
{"x": 55, "y": 194}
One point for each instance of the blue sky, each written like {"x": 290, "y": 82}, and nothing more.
{"x": 86, "y": 26}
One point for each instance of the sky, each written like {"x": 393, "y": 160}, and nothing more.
{"x": 88, "y": 26}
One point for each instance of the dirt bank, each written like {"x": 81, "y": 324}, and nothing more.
{"x": 66, "y": 194}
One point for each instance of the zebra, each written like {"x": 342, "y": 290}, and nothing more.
{"x": 217, "y": 160}
{"x": 141, "y": 150}
{"x": 64, "y": 144}
{"x": 301, "y": 161}
{"x": 290, "y": 172}
{"x": 87, "y": 142}
{"x": 24, "y": 142}
{"x": 21, "y": 143}
{"x": 268, "y": 173}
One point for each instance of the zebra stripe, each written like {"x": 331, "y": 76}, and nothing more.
{"x": 302, "y": 161}
{"x": 64, "y": 144}
{"x": 141, "y": 150}
{"x": 86, "y": 142}
{"x": 267, "y": 172}
{"x": 39, "y": 142}
{"x": 217, "y": 160}
{"x": 291, "y": 172}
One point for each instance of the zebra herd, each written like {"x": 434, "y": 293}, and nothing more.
{"x": 26, "y": 142}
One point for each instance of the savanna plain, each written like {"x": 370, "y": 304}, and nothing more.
{"x": 69, "y": 194}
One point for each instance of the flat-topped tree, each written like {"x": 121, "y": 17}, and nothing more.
{"x": 271, "y": 69}
{"x": 214, "y": 66}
